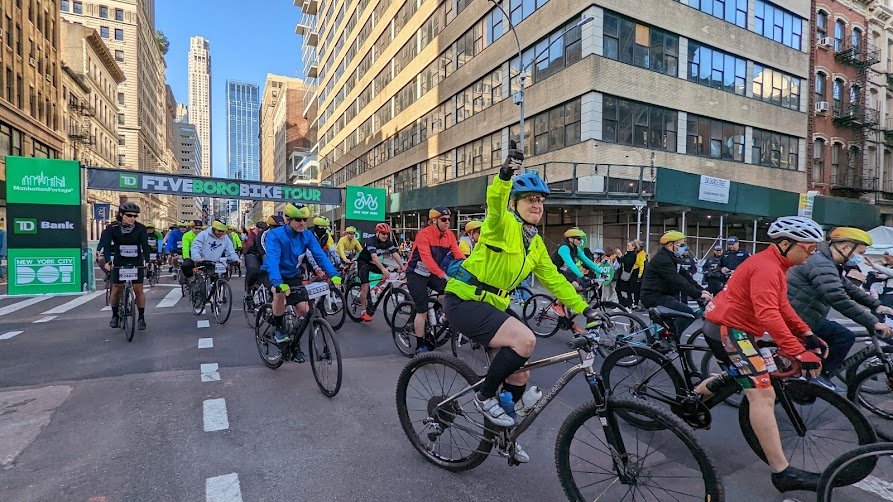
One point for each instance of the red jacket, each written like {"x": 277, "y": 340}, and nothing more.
{"x": 429, "y": 250}
{"x": 755, "y": 300}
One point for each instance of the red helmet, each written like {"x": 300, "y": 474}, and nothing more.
{"x": 382, "y": 228}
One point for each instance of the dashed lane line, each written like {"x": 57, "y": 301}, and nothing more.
{"x": 224, "y": 488}
{"x": 214, "y": 411}
{"x": 203, "y": 323}
{"x": 22, "y": 304}
{"x": 170, "y": 299}
{"x": 45, "y": 319}
{"x": 77, "y": 302}
{"x": 205, "y": 343}
{"x": 210, "y": 373}
{"x": 9, "y": 334}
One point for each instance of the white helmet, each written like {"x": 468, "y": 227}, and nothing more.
{"x": 796, "y": 228}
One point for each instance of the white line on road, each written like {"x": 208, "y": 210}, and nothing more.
{"x": 223, "y": 489}
{"x": 77, "y": 302}
{"x": 203, "y": 323}
{"x": 205, "y": 343}
{"x": 215, "y": 415}
{"x": 45, "y": 319}
{"x": 877, "y": 486}
{"x": 107, "y": 308}
{"x": 9, "y": 334}
{"x": 209, "y": 373}
{"x": 171, "y": 299}
{"x": 20, "y": 305}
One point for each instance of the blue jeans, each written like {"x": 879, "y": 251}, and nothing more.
{"x": 839, "y": 340}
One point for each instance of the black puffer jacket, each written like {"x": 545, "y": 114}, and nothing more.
{"x": 817, "y": 286}
{"x": 664, "y": 277}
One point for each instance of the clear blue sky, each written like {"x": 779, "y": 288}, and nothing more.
{"x": 248, "y": 40}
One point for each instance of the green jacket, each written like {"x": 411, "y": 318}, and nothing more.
{"x": 606, "y": 271}
{"x": 188, "y": 237}
{"x": 499, "y": 259}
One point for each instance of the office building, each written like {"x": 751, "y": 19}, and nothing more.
{"x": 200, "y": 97}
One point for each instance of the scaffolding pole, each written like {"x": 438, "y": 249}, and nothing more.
{"x": 648, "y": 229}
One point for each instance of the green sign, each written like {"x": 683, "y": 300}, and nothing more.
{"x": 43, "y": 181}
{"x": 365, "y": 203}
{"x": 38, "y": 271}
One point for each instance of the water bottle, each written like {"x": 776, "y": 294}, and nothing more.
{"x": 432, "y": 319}
{"x": 505, "y": 401}
{"x": 770, "y": 360}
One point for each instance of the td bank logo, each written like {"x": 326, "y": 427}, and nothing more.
{"x": 25, "y": 226}
{"x": 128, "y": 181}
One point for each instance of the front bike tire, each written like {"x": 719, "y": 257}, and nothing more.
{"x": 395, "y": 297}
{"x": 333, "y": 308}
{"x": 832, "y": 424}
{"x": 325, "y": 357}
{"x": 872, "y": 389}
{"x": 685, "y": 471}
{"x": 269, "y": 351}
{"x": 862, "y": 359}
{"x": 443, "y": 376}
{"x": 539, "y": 315}
{"x": 663, "y": 379}
{"x": 624, "y": 329}
{"x": 129, "y": 320}
{"x": 403, "y": 328}
{"x": 352, "y": 301}
{"x": 198, "y": 295}
{"x": 841, "y": 465}
{"x": 250, "y": 315}
{"x": 222, "y": 301}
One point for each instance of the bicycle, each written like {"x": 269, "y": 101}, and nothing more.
{"x": 872, "y": 387}
{"x": 322, "y": 348}
{"x": 841, "y": 465}
{"x": 152, "y": 271}
{"x": 808, "y": 412}
{"x": 210, "y": 286}
{"x": 127, "y": 302}
{"x": 391, "y": 295}
{"x": 434, "y": 403}
{"x": 545, "y": 315}
{"x": 259, "y": 295}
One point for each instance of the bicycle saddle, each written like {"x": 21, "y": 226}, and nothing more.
{"x": 661, "y": 313}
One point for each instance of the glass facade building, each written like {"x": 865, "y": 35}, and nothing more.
{"x": 242, "y": 130}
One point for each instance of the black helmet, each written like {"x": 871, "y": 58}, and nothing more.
{"x": 130, "y": 207}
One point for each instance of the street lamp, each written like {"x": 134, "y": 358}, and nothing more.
{"x": 518, "y": 97}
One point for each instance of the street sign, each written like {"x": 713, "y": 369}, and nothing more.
{"x": 102, "y": 212}
{"x": 365, "y": 203}
{"x": 44, "y": 270}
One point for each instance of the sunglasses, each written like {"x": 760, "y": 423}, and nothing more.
{"x": 533, "y": 199}
{"x": 299, "y": 219}
{"x": 445, "y": 219}
{"x": 809, "y": 248}
{"x": 131, "y": 215}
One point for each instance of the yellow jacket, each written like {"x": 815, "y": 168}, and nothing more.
{"x": 641, "y": 256}
{"x": 506, "y": 269}
{"x": 344, "y": 245}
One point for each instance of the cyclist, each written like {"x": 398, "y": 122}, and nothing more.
{"x": 374, "y": 248}
{"x": 348, "y": 246}
{"x": 209, "y": 245}
{"x": 569, "y": 257}
{"x": 285, "y": 247}
{"x": 190, "y": 236}
{"x": 664, "y": 280}
{"x": 175, "y": 243}
{"x": 237, "y": 244}
{"x": 754, "y": 302}
{"x": 477, "y": 294}
{"x": 254, "y": 258}
{"x": 819, "y": 285}
{"x": 323, "y": 235}
{"x": 435, "y": 247}
{"x": 472, "y": 234}
{"x": 155, "y": 238}
{"x": 130, "y": 246}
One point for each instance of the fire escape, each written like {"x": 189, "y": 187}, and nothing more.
{"x": 78, "y": 128}
{"x": 856, "y": 178}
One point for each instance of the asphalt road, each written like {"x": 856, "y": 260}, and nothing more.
{"x": 87, "y": 416}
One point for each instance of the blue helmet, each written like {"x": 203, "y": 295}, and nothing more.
{"x": 529, "y": 182}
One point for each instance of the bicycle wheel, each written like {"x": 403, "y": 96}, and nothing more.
{"x": 540, "y": 316}
{"x": 841, "y": 466}
{"x": 857, "y": 363}
{"x": 395, "y": 297}
{"x": 872, "y": 389}
{"x": 325, "y": 357}
{"x": 332, "y": 308}
{"x": 696, "y": 338}
{"x": 609, "y": 307}
{"x": 129, "y": 320}
{"x": 247, "y": 309}
{"x": 660, "y": 465}
{"x": 622, "y": 329}
{"x": 831, "y": 423}
{"x": 197, "y": 294}
{"x": 403, "y": 330}
{"x": 352, "y": 302}
{"x": 453, "y": 435}
{"x": 710, "y": 366}
{"x": 223, "y": 301}
{"x": 470, "y": 352}
{"x": 270, "y": 353}
{"x": 654, "y": 376}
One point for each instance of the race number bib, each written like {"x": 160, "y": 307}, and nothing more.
{"x": 317, "y": 290}
{"x": 128, "y": 274}
{"x": 421, "y": 269}
{"x": 220, "y": 267}
{"x": 128, "y": 250}
{"x": 153, "y": 256}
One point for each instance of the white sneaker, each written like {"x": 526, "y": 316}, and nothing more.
{"x": 528, "y": 400}
{"x": 520, "y": 455}
{"x": 493, "y": 412}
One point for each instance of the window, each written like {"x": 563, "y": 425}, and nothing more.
{"x": 818, "y": 160}
{"x": 777, "y": 24}
{"x": 120, "y": 98}
{"x": 560, "y": 49}
{"x": 839, "y": 30}
{"x": 104, "y": 31}
{"x": 776, "y": 87}
{"x": 65, "y": 6}
{"x": 715, "y": 68}
{"x": 638, "y": 124}
{"x": 121, "y": 161}
{"x": 820, "y": 87}
{"x": 121, "y": 140}
{"x": 821, "y": 25}
{"x": 772, "y": 149}
{"x": 119, "y": 34}
{"x": 78, "y": 7}
{"x": 837, "y": 92}
{"x": 835, "y": 161}
{"x": 119, "y": 55}
{"x": 713, "y": 138}
{"x": 733, "y": 11}
{"x": 103, "y": 12}
{"x": 637, "y": 44}
{"x": 856, "y": 38}
{"x": 119, "y": 14}
{"x": 121, "y": 119}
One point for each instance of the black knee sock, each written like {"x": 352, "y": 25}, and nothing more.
{"x": 277, "y": 320}
{"x": 506, "y": 362}
{"x": 142, "y": 311}
{"x": 516, "y": 390}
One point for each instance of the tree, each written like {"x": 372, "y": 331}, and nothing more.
{"x": 163, "y": 43}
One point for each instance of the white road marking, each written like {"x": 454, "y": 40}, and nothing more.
{"x": 107, "y": 308}
{"x": 9, "y": 334}
{"x": 203, "y": 323}
{"x": 877, "y": 486}
{"x": 214, "y": 411}
{"x": 77, "y": 302}
{"x": 171, "y": 299}
{"x": 205, "y": 343}
{"x": 45, "y": 319}
{"x": 20, "y": 305}
{"x": 209, "y": 373}
{"x": 223, "y": 489}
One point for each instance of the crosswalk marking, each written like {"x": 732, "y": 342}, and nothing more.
{"x": 214, "y": 411}
{"x": 210, "y": 373}
{"x": 45, "y": 319}
{"x": 9, "y": 334}
{"x": 22, "y": 304}
{"x": 107, "y": 308}
{"x": 170, "y": 299}
{"x": 203, "y": 323}
{"x": 77, "y": 302}
{"x": 224, "y": 488}
{"x": 205, "y": 343}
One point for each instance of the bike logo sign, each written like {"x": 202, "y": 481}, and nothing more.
{"x": 365, "y": 203}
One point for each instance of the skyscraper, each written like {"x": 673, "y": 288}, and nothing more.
{"x": 242, "y": 158}
{"x": 200, "y": 96}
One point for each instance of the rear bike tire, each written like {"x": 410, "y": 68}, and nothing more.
{"x": 609, "y": 307}
{"x": 855, "y": 425}
{"x": 333, "y": 308}
{"x": 539, "y": 316}
{"x": 250, "y": 314}
{"x": 828, "y": 481}
{"x": 222, "y": 301}
{"x": 197, "y": 295}
{"x": 395, "y": 297}
{"x": 438, "y": 365}
{"x": 865, "y": 358}
{"x": 630, "y": 330}
{"x": 325, "y": 353}
{"x": 403, "y": 329}
{"x": 352, "y": 302}
{"x": 871, "y": 389}
{"x": 129, "y": 320}
{"x": 269, "y": 352}
{"x": 693, "y": 459}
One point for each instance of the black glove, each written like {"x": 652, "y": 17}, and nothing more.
{"x": 511, "y": 164}
{"x": 593, "y": 316}
{"x": 813, "y": 342}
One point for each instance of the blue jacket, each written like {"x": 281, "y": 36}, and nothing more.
{"x": 175, "y": 237}
{"x": 285, "y": 251}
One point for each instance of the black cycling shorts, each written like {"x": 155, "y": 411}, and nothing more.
{"x": 140, "y": 274}
{"x": 478, "y": 321}
{"x": 298, "y": 291}
{"x": 418, "y": 288}
{"x": 364, "y": 269}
